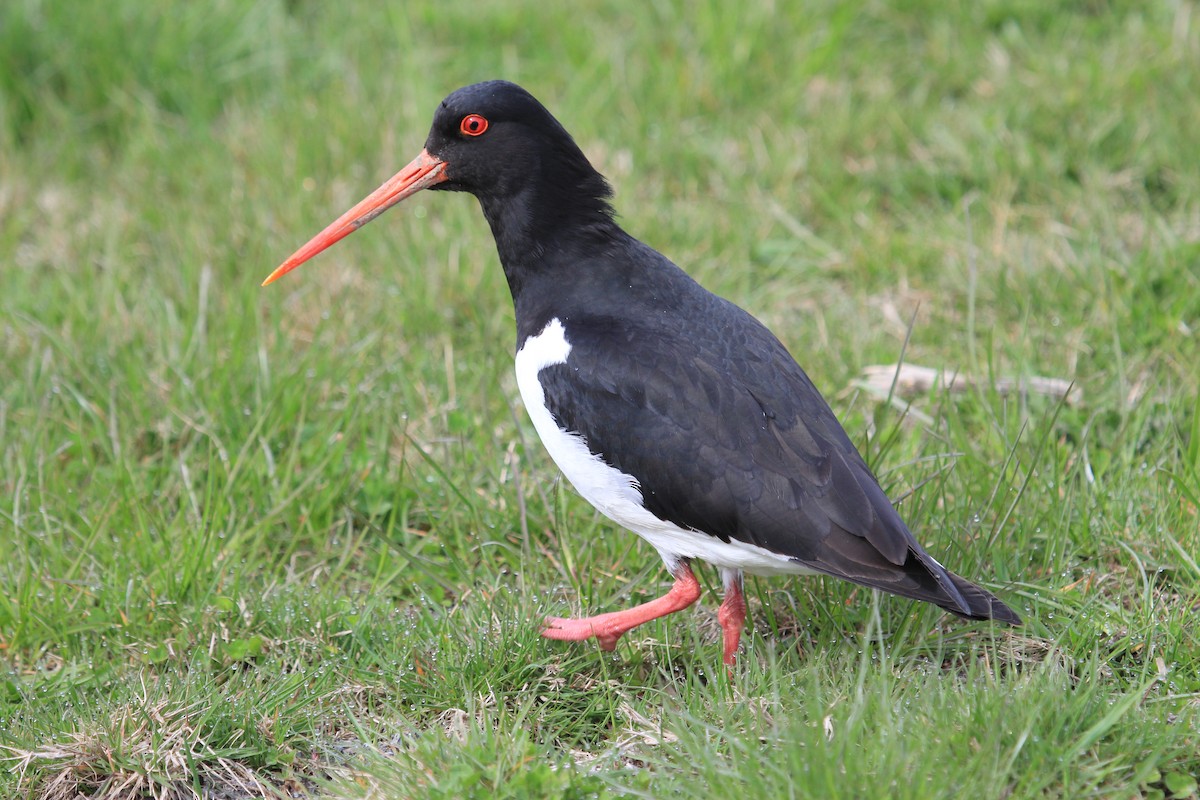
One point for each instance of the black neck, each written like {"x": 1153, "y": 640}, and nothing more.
{"x": 550, "y": 220}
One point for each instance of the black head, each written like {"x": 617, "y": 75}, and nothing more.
{"x": 501, "y": 145}
{"x": 493, "y": 136}
{"x": 496, "y": 141}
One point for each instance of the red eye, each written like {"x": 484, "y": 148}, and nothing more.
{"x": 473, "y": 125}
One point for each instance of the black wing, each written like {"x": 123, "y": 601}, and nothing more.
{"x": 728, "y": 436}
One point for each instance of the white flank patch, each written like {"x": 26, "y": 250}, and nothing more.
{"x": 615, "y": 494}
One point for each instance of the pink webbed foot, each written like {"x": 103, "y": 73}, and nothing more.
{"x": 608, "y": 628}
{"x": 603, "y": 627}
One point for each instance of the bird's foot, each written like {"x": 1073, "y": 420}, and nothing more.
{"x": 732, "y": 616}
{"x": 608, "y": 628}
{"x": 603, "y": 627}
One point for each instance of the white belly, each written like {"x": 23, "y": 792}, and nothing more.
{"x": 614, "y": 493}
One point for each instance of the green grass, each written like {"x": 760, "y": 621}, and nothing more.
{"x": 255, "y": 539}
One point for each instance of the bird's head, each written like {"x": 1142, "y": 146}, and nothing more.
{"x": 492, "y": 139}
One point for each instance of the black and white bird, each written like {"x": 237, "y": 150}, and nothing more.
{"x": 675, "y": 413}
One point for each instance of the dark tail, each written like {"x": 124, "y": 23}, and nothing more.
{"x": 938, "y": 585}
{"x": 981, "y": 603}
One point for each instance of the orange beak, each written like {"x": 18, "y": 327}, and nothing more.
{"x": 421, "y": 173}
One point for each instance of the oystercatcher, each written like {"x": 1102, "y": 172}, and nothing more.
{"x": 675, "y": 413}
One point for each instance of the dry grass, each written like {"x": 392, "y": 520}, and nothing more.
{"x": 151, "y": 752}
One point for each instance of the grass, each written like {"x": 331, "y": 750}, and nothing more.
{"x": 260, "y": 542}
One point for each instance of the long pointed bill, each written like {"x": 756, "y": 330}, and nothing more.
{"x": 421, "y": 173}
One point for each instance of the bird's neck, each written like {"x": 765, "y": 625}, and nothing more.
{"x": 543, "y": 228}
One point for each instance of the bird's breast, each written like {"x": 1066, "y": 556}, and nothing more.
{"x": 612, "y": 492}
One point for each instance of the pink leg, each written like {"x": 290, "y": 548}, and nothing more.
{"x": 607, "y": 628}
{"x": 732, "y": 616}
